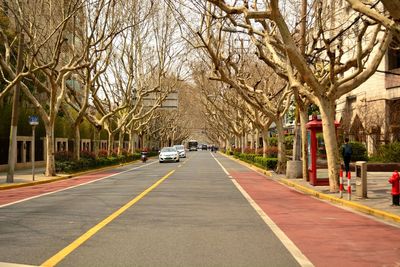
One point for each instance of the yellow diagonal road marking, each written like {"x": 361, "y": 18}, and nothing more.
{"x": 83, "y": 238}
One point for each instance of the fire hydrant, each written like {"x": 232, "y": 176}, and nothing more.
{"x": 395, "y": 181}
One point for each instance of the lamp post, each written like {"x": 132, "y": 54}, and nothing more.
{"x": 33, "y": 121}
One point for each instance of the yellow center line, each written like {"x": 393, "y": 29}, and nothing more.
{"x": 83, "y": 238}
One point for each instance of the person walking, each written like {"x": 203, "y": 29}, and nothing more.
{"x": 395, "y": 181}
{"x": 347, "y": 151}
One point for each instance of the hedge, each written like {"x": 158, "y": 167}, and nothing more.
{"x": 86, "y": 163}
{"x": 259, "y": 161}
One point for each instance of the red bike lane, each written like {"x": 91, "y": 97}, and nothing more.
{"x": 326, "y": 235}
{"x": 9, "y": 196}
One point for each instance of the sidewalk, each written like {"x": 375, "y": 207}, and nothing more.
{"x": 378, "y": 201}
{"x": 24, "y": 177}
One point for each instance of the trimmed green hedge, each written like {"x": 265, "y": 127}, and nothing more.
{"x": 69, "y": 166}
{"x": 266, "y": 163}
{"x": 259, "y": 161}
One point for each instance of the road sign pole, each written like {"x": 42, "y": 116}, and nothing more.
{"x": 33, "y": 152}
{"x": 33, "y": 121}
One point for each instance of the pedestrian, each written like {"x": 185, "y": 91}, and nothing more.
{"x": 346, "y": 153}
{"x": 394, "y": 180}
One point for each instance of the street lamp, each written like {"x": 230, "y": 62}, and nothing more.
{"x": 33, "y": 121}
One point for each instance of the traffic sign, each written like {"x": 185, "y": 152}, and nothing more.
{"x": 33, "y": 120}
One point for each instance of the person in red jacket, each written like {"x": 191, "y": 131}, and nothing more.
{"x": 395, "y": 181}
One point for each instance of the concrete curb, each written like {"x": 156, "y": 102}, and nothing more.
{"x": 17, "y": 185}
{"x": 59, "y": 178}
{"x": 359, "y": 207}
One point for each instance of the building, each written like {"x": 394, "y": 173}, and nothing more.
{"x": 371, "y": 113}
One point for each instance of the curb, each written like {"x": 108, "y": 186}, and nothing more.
{"x": 59, "y": 178}
{"x": 359, "y": 207}
{"x": 12, "y": 186}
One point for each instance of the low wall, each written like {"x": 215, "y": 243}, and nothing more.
{"x": 378, "y": 167}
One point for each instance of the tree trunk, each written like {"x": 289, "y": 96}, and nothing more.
{"x": 281, "y": 166}
{"x": 120, "y": 143}
{"x": 130, "y": 143}
{"x": 110, "y": 149}
{"x": 77, "y": 142}
{"x": 257, "y": 144}
{"x": 144, "y": 141}
{"x": 265, "y": 141}
{"x": 96, "y": 143}
{"x": 304, "y": 143}
{"x": 246, "y": 140}
{"x": 327, "y": 109}
{"x": 242, "y": 142}
{"x": 50, "y": 161}
{"x": 12, "y": 149}
{"x": 228, "y": 144}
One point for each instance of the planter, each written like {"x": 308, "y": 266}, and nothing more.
{"x": 294, "y": 169}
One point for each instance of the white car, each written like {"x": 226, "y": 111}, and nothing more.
{"x": 168, "y": 154}
{"x": 181, "y": 150}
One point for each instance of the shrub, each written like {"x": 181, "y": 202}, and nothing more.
{"x": 103, "y": 153}
{"x": 259, "y": 151}
{"x": 63, "y": 156}
{"x": 273, "y": 141}
{"x": 272, "y": 152}
{"x": 359, "y": 151}
{"x": 86, "y": 163}
{"x": 87, "y": 154}
{"x": 389, "y": 152}
{"x": 267, "y": 163}
{"x": 249, "y": 150}
{"x": 289, "y": 140}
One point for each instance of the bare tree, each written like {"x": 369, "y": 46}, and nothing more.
{"x": 50, "y": 59}
{"x": 388, "y": 16}
{"x": 341, "y": 54}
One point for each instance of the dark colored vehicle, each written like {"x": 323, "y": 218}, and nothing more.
{"x": 204, "y": 147}
{"x": 192, "y": 145}
{"x": 143, "y": 156}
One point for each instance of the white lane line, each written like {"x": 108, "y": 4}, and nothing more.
{"x": 67, "y": 188}
{"x": 290, "y": 246}
{"x": 7, "y": 264}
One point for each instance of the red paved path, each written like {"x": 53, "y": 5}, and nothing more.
{"x": 16, "y": 194}
{"x": 327, "y": 235}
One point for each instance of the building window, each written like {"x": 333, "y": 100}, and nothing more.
{"x": 393, "y": 58}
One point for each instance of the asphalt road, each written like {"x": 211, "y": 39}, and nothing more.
{"x": 196, "y": 216}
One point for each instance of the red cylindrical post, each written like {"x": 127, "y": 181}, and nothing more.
{"x": 349, "y": 185}
{"x": 341, "y": 187}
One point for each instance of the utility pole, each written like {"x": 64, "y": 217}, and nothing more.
{"x": 12, "y": 148}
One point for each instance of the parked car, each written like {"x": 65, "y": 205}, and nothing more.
{"x": 181, "y": 150}
{"x": 168, "y": 154}
{"x": 204, "y": 147}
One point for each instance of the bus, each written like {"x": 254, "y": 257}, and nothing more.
{"x": 192, "y": 145}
